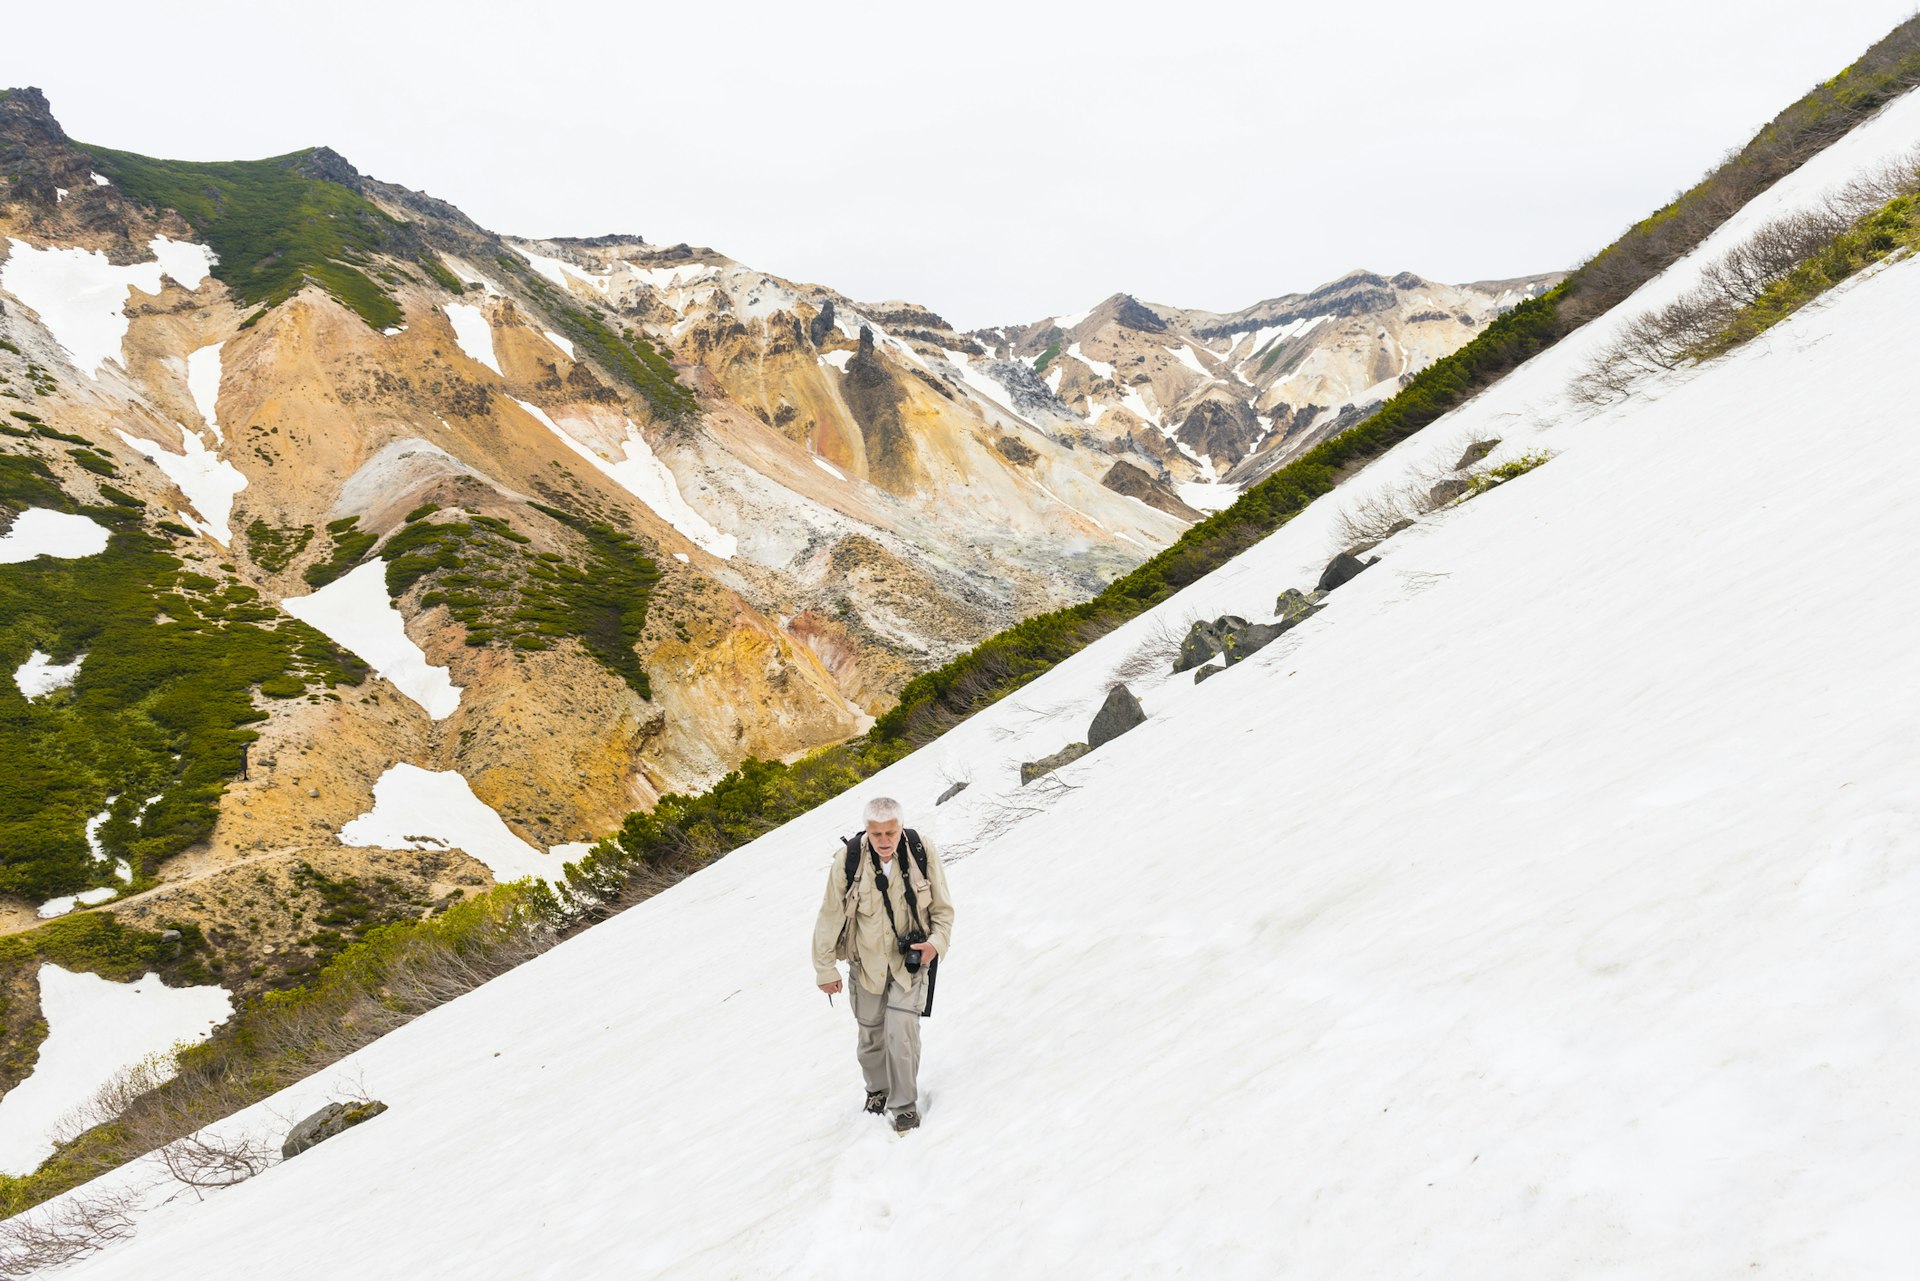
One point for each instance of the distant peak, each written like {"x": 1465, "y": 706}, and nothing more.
{"x": 327, "y": 165}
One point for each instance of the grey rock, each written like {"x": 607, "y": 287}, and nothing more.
{"x": 1250, "y": 638}
{"x": 1120, "y": 713}
{"x": 170, "y": 936}
{"x": 330, "y": 1120}
{"x": 1204, "y": 640}
{"x": 1295, "y": 606}
{"x": 1448, "y": 490}
{"x": 952, "y": 792}
{"x": 1342, "y": 569}
{"x": 1475, "y": 452}
{"x": 1047, "y": 764}
{"x": 1211, "y": 669}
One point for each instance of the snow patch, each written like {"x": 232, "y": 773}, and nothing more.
{"x": 473, "y": 332}
{"x": 417, "y": 809}
{"x": 1208, "y": 496}
{"x": 40, "y": 531}
{"x": 81, "y": 297}
{"x": 355, "y": 612}
{"x": 95, "y": 1029}
{"x": 1068, "y": 322}
{"x": 39, "y": 676}
{"x": 1186, "y": 356}
{"x": 203, "y": 382}
{"x": 643, "y": 475}
{"x": 1100, "y": 367}
{"x": 208, "y": 481}
{"x": 838, "y": 359}
{"x": 563, "y": 343}
{"x": 828, "y": 468}
{"x": 67, "y": 902}
{"x": 98, "y": 181}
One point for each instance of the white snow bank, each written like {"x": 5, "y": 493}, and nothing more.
{"x": 1186, "y": 356}
{"x": 98, "y": 181}
{"x": 1100, "y": 367}
{"x": 95, "y": 1029}
{"x": 81, "y": 297}
{"x": 828, "y": 468}
{"x": 643, "y": 475}
{"x": 837, "y": 359}
{"x": 203, "y": 381}
{"x": 67, "y": 902}
{"x": 1069, "y": 321}
{"x": 1208, "y": 496}
{"x": 473, "y": 332}
{"x": 561, "y": 341}
{"x": 40, "y": 675}
{"x": 40, "y": 531}
{"x": 355, "y": 611}
{"x": 208, "y": 481}
{"x": 417, "y": 809}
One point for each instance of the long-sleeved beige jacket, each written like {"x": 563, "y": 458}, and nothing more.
{"x": 872, "y": 946}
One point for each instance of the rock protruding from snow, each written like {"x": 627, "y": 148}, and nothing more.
{"x": 1296, "y": 606}
{"x": 335, "y": 1118}
{"x": 1047, "y": 764}
{"x": 951, "y": 792}
{"x": 1204, "y": 640}
{"x": 1473, "y": 453}
{"x": 1120, "y": 713}
{"x": 1342, "y": 569}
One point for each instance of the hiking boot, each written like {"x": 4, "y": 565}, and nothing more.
{"x": 876, "y": 1101}
{"x": 905, "y": 1119}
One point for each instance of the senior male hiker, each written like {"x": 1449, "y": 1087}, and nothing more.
{"x": 888, "y": 914}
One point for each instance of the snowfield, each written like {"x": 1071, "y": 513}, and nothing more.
{"x": 95, "y": 1029}
{"x": 1541, "y": 908}
{"x": 355, "y": 612}
{"x": 81, "y": 297}
{"x": 40, "y": 531}
{"x": 473, "y": 332}
{"x": 209, "y": 481}
{"x": 416, "y": 809}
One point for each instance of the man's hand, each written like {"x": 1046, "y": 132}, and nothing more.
{"x": 927, "y": 952}
{"x": 831, "y": 989}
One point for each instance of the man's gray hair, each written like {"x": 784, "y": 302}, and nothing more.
{"x": 882, "y": 809}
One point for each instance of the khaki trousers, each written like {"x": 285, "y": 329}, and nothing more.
{"x": 889, "y": 1045}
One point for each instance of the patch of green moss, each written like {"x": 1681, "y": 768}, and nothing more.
{"x": 273, "y": 548}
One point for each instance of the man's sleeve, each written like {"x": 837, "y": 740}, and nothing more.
{"x": 826, "y": 927}
{"x": 941, "y": 912}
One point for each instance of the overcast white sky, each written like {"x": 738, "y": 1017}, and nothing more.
{"x": 997, "y": 162}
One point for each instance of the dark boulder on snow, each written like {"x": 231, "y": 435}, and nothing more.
{"x": 951, "y": 792}
{"x": 1211, "y": 669}
{"x": 1047, "y": 764}
{"x": 1475, "y": 452}
{"x": 330, "y": 1120}
{"x": 1296, "y": 606}
{"x": 1448, "y": 490}
{"x": 1341, "y": 569}
{"x": 1204, "y": 640}
{"x": 1120, "y": 713}
{"x": 1249, "y": 638}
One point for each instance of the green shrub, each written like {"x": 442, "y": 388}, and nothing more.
{"x": 273, "y": 226}
{"x": 350, "y": 546}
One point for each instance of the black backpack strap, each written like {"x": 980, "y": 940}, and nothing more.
{"x": 919, "y": 850}
{"x": 853, "y": 857}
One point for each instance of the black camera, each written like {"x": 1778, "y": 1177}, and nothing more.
{"x": 907, "y": 953}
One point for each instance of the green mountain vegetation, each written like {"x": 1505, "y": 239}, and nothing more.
{"x": 273, "y": 226}
{"x": 158, "y": 718}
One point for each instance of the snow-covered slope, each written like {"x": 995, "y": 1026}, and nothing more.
{"x": 1541, "y": 908}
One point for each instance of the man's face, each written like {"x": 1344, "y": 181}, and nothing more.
{"x": 884, "y": 837}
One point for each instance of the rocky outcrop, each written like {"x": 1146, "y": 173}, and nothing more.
{"x": 1204, "y": 640}
{"x": 334, "y": 1118}
{"x": 952, "y": 792}
{"x": 821, "y": 326}
{"x": 1135, "y": 482}
{"x": 1220, "y": 429}
{"x": 1047, "y": 764}
{"x": 1473, "y": 453}
{"x": 1120, "y": 713}
{"x": 1129, "y": 313}
{"x": 1296, "y": 606}
{"x": 1341, "y": 569}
